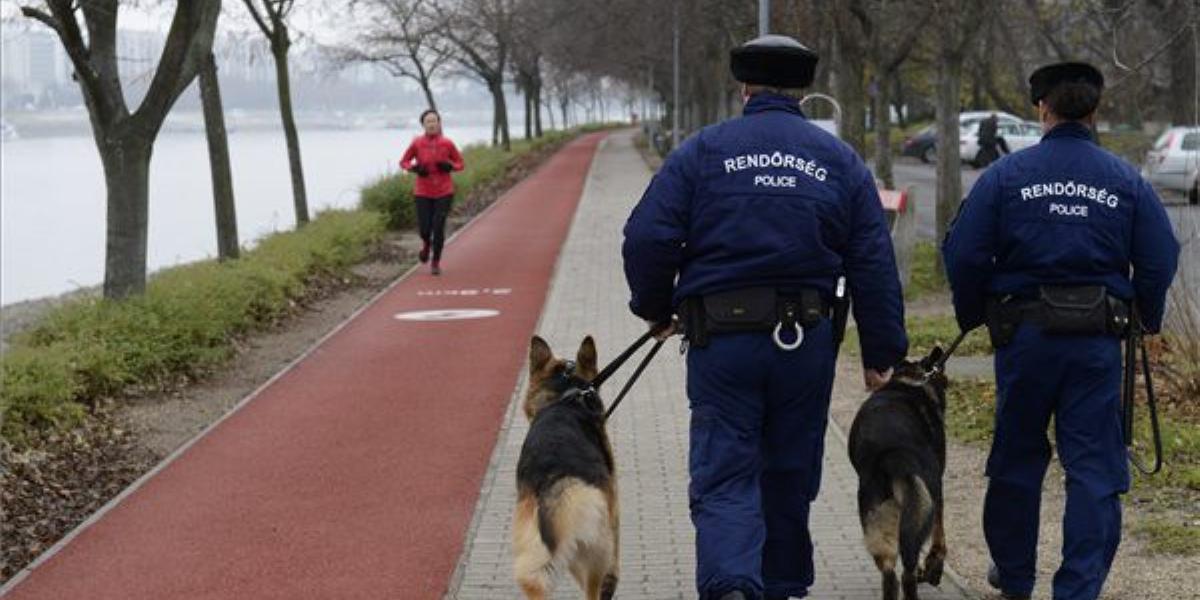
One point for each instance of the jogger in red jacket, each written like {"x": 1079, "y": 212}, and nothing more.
{"x": 432, "y": 157}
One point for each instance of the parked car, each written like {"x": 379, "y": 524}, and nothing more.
{"x": 1174, "y": 162}
{"x": 1019, "y": 134}
{"x": 922, "y": 145}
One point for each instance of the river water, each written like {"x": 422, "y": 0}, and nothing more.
{"x": 52, "y": 199}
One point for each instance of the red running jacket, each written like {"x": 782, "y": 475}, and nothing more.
{"x": 428, "y": 151}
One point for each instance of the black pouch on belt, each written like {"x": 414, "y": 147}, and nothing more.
{"x": 1002, "y": 318}
{"x": 807, "y": 309}
{"x": 735, "y": 311}
{"x": 1075, "y": 310}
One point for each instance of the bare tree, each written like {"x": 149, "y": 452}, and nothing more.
{"x": 533, "y": 18}
{"x": 481, "y": 34}
{"x": 400, "y": 36}
{"x": 125, "y": 139}
{"x": 218, "y": 158}
{"x": 271, "y": 18}
{"x": 957, "y": 21}
{"x": 1182, "y": 17}
{"x": 851, "y": 24}
{"x": 894, "y": 29}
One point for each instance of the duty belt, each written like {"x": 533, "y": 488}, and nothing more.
{"x": 1058, "y": 310}
{"x": 752, "y": 310}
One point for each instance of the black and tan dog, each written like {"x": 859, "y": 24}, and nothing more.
{"x": 566, "y": 514}
{"x": 898, "y": 447}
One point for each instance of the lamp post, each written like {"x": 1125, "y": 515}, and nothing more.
{"x": 675, "y": 83}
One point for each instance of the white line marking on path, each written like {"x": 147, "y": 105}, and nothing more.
{"x": 446, "y": 314}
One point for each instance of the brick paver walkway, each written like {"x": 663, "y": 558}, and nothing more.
{"x": 649, "y": 432}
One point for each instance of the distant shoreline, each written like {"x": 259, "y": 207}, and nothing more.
{"x": 74, "y": 121}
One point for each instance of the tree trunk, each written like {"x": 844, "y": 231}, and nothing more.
{"x": 218, "y": 158}
{"x": 949, "y": 165}
{"x": 977, "y": 75}
{"x": 1182, "y": 98}
{"x": 850, "y": 91}
{"x": 500, "y": 108}
{"x": 126, "y": 178}
{"x": 528, "y": 114}
{"x": 299, "y": 197}
{"x": 562, "y": 104}
{"x": 428, "y": 91}
{"x": 537, "y": 110}
{"x": 883, "y": 131}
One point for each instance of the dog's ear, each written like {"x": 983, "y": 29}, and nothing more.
{"x": 585, "y": 359}
{"x": 539, "y": 354}
{"x": 935, "y": 357}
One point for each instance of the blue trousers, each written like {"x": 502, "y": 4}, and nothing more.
{"x": 1077, "y": 380}
{"x": 757, "y": 440}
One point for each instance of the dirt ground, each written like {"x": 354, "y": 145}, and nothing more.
{"x": 1136, "y": 574}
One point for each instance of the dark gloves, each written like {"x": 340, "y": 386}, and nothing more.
{"x": 420, "y": 170}
{"x": 446, "y": 167}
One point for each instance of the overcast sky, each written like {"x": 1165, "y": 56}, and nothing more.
{"x": 315, "y": 21}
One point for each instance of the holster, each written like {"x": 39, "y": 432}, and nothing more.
{"x": 749, "y": 310}
{"x": 1058, "y": 310}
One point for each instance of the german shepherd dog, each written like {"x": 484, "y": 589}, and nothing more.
{"x": 566, "y": 513}
{"x": 898, "y": 448}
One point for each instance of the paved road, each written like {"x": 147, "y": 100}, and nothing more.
{"x": 922, "y": 180}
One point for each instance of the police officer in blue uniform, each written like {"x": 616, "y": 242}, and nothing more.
{"x": 1042, "y": 251}
{"x": 745, "y": 232}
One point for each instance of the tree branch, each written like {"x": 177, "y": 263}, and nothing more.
{"x": 46, "y": 19}
{"x": 189, "y": 41}
{"x": 1133, "y": 71}
{"x": 1044, "y": 30}
{"x": 258, "y": 20}
{"x": 906, "y": 45}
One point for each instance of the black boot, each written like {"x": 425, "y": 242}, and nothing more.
{"x": 993, "y": 579}
{"x": 734, "y": 595}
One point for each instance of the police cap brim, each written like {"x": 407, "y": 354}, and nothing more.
{"x": 1043, "y": 80}
{"x": 774, "y": 60}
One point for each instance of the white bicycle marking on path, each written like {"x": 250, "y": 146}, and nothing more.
{"x": 446, "y": 314}
{"x": 467, "y": 292}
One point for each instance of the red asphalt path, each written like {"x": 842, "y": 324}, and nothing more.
{"x": 354, "y": 474}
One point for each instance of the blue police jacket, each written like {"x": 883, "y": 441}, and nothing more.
{"x": 767, "y": 199}
{"x": 1063, "y": 212}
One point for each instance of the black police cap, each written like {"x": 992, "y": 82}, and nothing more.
{"x": 1043, "y": 80}
{"x": 774, "y": 60}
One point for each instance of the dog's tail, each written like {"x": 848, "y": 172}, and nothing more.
{"x": 916, "y": 507}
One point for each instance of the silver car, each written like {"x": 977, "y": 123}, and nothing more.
{"x": 1174, "y": 162}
